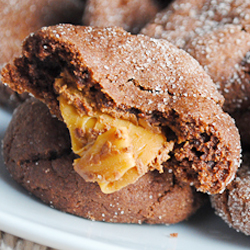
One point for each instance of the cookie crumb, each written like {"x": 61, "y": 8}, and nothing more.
{"x": 173, "y": 235}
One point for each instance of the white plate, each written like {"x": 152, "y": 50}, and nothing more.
{"x": 23, "y": 215}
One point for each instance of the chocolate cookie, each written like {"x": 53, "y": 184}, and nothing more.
{"x": 242, "y": 122}
{"x": 184, "y": 20}
{"x": 228, "y": 46}
{"x": 233, "y": 204}
{"x": 21, "y": 18}
{"x": 38, "y": 154}
{"x": 132, "y": 104}
{"x": 217, "y": 35}
{"x": 132, "y": 15}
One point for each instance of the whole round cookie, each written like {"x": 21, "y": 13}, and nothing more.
{"x": 217, "y": 35}
{"x": 233, "y": 204}
{"x": 37, "y": 153}
{"x": 19, "y": 19}
{"x": 132, "y": 104}
{"x": 131, "y": 15}
{"x": 224, "y": 54}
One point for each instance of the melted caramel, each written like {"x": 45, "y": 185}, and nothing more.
{"x": 113, "y": 152}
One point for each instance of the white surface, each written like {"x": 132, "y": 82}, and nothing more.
{"x": 26, "y": 217}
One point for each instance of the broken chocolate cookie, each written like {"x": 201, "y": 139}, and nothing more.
{"x": 110, "y": 86}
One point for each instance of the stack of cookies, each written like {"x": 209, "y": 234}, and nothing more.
{"x": 132, "y": 118}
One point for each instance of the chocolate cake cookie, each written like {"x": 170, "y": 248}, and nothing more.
{"x": 19, "y": 19}
{"x": 131, "y": 15}
{"x": 233, "y": 204}
{"x": 216, "y": 33}
{"x": 38, "y": 154}
{"x": 132, "y": 105}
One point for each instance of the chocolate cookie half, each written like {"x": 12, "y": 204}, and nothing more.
{"x": 37, "y": 152}
{"x": 132, "y": 104}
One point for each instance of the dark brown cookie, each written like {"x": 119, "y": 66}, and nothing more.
{"x": 242, "y": 122}
{"x": 184, "y": 20}
{"x": 145, "y": 81}
{"x": 21, "y": 18}
{"x": 132, "y": 15}
{"x": 217, "y": 35}
{"x": 224, "y": 54}
{"x": 38, "y": 155}
{"x": 233, "y": 204}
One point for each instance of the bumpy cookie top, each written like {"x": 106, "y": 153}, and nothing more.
{"x": 147, "y": 81}
{"x": 216, "y": 33}
{"x": 121, "y": 65}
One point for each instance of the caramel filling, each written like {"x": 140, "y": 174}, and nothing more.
{"x": 112, "y": 151}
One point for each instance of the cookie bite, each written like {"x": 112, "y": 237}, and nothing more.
{"x": 233, "y": 204}
{"x": 132, "y": 105}
{"x": 131, "y": 15}
{"x": 19, "y": 19}
{"x": 37, "y": 152}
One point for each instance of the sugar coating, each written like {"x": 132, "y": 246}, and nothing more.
{"x": 132, "y": 15}
{"x": 224, "y": 55}
{"x": 233, "y": 206}
{"x": 168, "y": 62}
{"x": 216, "y": 33}
{"x": 182, "y": 20}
